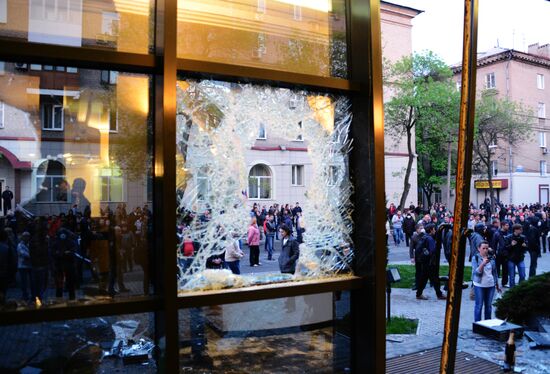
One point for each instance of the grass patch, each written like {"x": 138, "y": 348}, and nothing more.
{"x": 401, "y": 325}
{"x": 407, "y": 274}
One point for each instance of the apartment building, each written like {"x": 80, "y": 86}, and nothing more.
{"x": 520, "y": 173}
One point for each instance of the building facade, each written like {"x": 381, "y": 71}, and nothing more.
{"x": 521, "y": 171}
{"x": 396, "y": 23}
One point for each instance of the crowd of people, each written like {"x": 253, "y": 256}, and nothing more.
{"x": 500, "y": 237}
{"x": 282, "y": 222}
{"x": 69, "y": 250}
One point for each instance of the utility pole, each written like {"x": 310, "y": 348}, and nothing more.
{"x": 449, "y": 142}
{"x": 511, "y": 170}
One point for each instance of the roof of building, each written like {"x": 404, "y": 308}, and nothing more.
{"x": 497, "y": 54}
{"x": 417, "y": 11}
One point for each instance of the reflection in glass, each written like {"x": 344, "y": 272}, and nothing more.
{"x": 79, "y": 225}
{"x": 121, "y": 25}
{"x": 252, "y": 180}
{"x": 299, "y": 36}
{"x": 304, "y": 334}
{"x": 110, "y": 344}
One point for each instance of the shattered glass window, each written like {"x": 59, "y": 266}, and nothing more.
{"x": 235, "y": 193}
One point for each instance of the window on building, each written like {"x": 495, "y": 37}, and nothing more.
{"x": 494, "y": 167}
{"x": 109, "y": 77}
{"x": 300, "y": 137}
{"x": 297, "y": 175}
{"x": 490, "y": 81}
{"x": 113, "y": 120}
{"x": 72, "y": 70}
{"x": 3, "y": 11}
{"x": 36, "y": 67}
{"x": 261, "y": 6}
{"x": 297, "y": 13}
{"x": 51, "y": 184}
{"x": 2, "y": 68}
{"x": 52, "y": 117}
{"x": 48, "y": 67}
{"x": 541, "y": 110}
{"x": 542, "y": 167}
{"x": 2, "y": 114}
{"x": 259, "y": 182}
{"x": 60, "y": 68}
{"x": 540, "y": 81}
{"x": 110, "y": 23}
{"x": 262, "y": 133}
{"x": 542, "y": 139}
{"x": 111, "y": 184}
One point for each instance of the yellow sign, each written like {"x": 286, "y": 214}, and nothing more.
{"x": 484, "y": 184}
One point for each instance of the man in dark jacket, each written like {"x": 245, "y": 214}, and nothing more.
{"x": 289, "y": 252}
{"x": 533, "y": 244}
{"x": 425, "y": 254}
{"x": 477, "y": 237}
{"x": 498, "y": 244}
{"x": 7, "y": 197}
{"x": 517, "y": 245}
{"x": 408, "y": 228}
{"x": 415, "y": 239}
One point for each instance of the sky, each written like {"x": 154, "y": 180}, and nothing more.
{"x": 506, "y": 23}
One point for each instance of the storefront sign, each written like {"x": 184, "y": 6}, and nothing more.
{"x": 497, "y": 183}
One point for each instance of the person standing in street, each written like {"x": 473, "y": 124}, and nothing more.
{"x": 397, "y": 223}
{"x": 289, "y": 252}
{"x": 270, "y": 230}
{"x": 7, "y": 197}
{"x": 517, "y": 246}
{"x": 485, "y": 281}
{"x": 254, "y": 242}
{"x": 425, "y": 254}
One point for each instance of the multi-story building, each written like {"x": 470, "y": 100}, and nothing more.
{"x": 396, "y": 23}
{"x": 520, "y": 173}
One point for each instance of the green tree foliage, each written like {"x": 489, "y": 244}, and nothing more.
{"x": 528, "y": 299}
{"x": 424, "y": 105}
{"x": 499, "y": 122}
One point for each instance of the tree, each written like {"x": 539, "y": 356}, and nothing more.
{"x": 498, "y": 121}
{"x": 424, "y": 103}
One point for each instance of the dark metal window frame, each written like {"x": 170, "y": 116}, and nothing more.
{"x": 365, "y": 90}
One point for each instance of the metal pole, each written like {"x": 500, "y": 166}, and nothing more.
{"x": 511, "y": 167}
{"x": 449, "y": 175}
{"x": 463, "y": 180}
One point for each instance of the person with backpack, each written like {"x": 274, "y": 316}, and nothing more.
{"x": 425, "y": 254}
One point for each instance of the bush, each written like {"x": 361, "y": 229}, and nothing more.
{"x": 530, "y": 298}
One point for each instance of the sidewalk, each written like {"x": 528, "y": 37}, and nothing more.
{"x": 431, "y": 315}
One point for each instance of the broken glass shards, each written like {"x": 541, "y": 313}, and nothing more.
{"x": 244, "y": 145}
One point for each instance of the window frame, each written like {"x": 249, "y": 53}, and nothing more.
{"x": 294, "y": 177}
{"x": 540, "y": 81}
{"x": 43, "y": 177}
{"x": 490, "y": 81}
{"x": 542, "y": 139}
{"x": 258, "y": 182}
{"x": 109, "y": 179}
{"x": 541, "y": 110}
{"x": 44, "y": 115}
{"x": 543, "y": 168}
{"x": 259, "y": 137}
{"x": 163, "y": 64}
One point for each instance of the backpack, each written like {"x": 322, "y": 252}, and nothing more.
{"x": 421, "y": 250}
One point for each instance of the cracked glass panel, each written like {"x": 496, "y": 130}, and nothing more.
{"x": 241, "y": 221}
{"x": 307, "y": 37}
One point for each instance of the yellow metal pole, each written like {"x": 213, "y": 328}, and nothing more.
{"x": 463, "y": 180}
